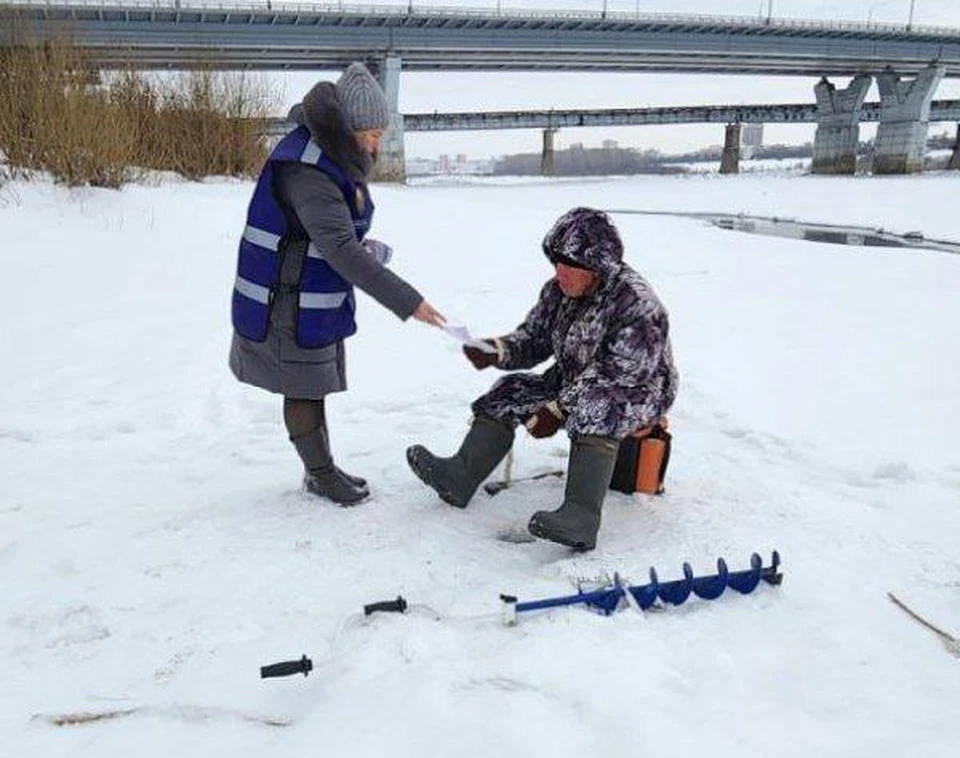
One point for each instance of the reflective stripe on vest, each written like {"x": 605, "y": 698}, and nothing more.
{"x": 262, "y": 238}
{"x": 252, "y": 290}
{"x": 311, "y": 153}
{"x": 322, "y": 300}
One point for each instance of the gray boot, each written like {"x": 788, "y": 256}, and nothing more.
{"x": 322, "y": 477}
{"x": 357, "y": 481}
{"x": 576, "y": 522}
{"x": 456, "y": 479}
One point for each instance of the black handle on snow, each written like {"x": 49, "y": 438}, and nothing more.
{"x": 391, "y": 606}
{"x": 287, "y": 668}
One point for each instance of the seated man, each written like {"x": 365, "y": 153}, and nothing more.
{"x": 612, "y": 374}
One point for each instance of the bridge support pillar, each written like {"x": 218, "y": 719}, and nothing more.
{"x": 838, "y": 125}
{"x": 730, "y": 160}
{"x": 954, "y": 164}
{"x": 391, "y": 164}
{"x": 548, "y": 158}
{"x": 904, "y": 121}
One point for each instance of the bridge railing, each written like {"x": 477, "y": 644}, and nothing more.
{"x": 416, "y": 8}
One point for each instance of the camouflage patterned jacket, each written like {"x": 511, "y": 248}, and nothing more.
{"x": 614, "y": 362}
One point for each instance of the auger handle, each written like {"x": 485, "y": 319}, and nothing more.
{"x": 390, "y": 606}
{"x": 287, "y": 668}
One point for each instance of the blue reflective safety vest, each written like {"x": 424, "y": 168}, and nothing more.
{"x": 326, "y": 303}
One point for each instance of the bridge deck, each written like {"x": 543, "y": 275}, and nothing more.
{"x": 803, "y": 113}
{"x": 282, "y": 36}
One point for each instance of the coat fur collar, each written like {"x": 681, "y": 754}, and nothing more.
{"x": 320, "y": 113}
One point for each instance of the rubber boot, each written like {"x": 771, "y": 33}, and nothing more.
{"x": 357, "y": 481}
{"x": 322, "y": 478}
{"x": 576, "y": 522}
{"x": 456, "y": 479}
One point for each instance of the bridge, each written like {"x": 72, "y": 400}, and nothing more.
{"x": 553, "y": 120}
{"x": 804, "y": 113}
{"x": 907, "y": 61}
{"x": 276, "y": 35}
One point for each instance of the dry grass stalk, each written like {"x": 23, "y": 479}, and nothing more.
{"x": 58, "y": 116}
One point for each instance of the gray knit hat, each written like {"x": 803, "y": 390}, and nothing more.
{"x": 362, "y": 102}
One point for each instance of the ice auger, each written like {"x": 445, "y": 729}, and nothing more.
{"x": 607, "y": 599}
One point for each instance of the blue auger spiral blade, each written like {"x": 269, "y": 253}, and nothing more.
{"x": 677, "y": 591}
{"x": 607, "y": 600}
{"x": 712, "y": 587}
{"x": 646, "y": 594}
{"x": 772, "y": 574}
{"x": 746, "y": 582}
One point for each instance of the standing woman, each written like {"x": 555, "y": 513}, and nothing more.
{"x": 302, "y": 252}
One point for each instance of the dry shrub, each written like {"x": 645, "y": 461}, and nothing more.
{"x": 206, "y": 125}
{"x": 56, "y": 116}
{"x": 53, "y": 119}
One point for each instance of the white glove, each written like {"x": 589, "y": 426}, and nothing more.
{"x": 381, "y": 251}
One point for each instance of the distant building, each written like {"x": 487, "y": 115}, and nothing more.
{"x": 609, "y": 144}
{"x": 443, "y": 166}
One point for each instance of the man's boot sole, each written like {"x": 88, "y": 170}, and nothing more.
{"x": 341, "y": 503}
{"x": 363, "y": 492}
{"x": 545, "y": 533}
{"x": 418, "y": 458}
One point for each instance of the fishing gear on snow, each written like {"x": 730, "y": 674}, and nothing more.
{"x": 389, "y": 606}
{"x": 287, "y": 668}
{"x": 305, "y": 665}
{"x": 607, "y": 599}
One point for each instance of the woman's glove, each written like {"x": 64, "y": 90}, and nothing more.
{"x": 381, "y": 251}
{"x": 482, "y": 359}
{"x": 546, "y": 421}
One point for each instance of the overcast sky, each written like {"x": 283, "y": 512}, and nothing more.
{"x": 427, "y": 92}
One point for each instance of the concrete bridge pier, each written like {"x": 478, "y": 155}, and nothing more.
{"x": 391, "y": 164}
{"x": 904, "y": 121}
{"x": 548, "y": 158}
{"x": 954, "y": 164}
{"x": 730, "y": 160}
{"x": 838, "y": 125}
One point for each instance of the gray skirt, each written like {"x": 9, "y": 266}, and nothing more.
{"x": 279, "y": 365}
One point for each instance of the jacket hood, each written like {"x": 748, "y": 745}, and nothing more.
{"x": 586, "y": 237}
{"x": 320, "y": 112}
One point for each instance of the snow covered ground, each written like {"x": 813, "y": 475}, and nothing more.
{"x": 155, "y": 548}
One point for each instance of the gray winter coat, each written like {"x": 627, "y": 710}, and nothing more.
{"x": 613, "y": 370}
{"x": 316, "y": 212}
